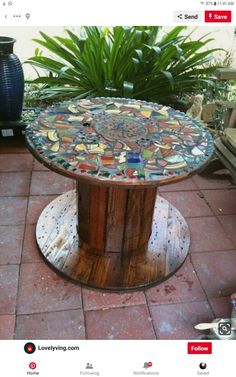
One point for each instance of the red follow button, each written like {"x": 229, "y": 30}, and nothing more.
{"x": 199, "y": 348}
{"x": 218, "y": 16}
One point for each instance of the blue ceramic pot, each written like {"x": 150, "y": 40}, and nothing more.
{"x": 11, "y": 82}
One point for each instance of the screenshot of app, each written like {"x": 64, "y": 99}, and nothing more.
{"x": 117, "y": 188}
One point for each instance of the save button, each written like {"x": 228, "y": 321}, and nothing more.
{"x": 218, "y": 16}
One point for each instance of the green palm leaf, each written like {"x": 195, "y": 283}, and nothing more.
{"x": 133, "y": 62}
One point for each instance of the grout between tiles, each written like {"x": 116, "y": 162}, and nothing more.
{"x": 22, "y": 246}
{"x": 84, "y": 313}
{"x": 150, "y": 315}
{"x": 207, "y": 298}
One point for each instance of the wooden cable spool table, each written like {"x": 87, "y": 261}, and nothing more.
{"x": 115, "y": 231}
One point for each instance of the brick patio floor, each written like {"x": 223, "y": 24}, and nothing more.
{"x": 35, "y": 303}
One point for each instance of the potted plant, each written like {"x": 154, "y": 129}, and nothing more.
{"x": 11, "y": 87}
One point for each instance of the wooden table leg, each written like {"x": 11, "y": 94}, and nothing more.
{"x": 126, "y": 238}
{"x": 115, "y": 220}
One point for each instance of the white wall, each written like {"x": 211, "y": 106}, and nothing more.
{"x": 223, "y": 38}
{"x": 25, "y": 47}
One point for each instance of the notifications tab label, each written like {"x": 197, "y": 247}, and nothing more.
{"x": 199, "y": 348}
{"x": 218, "y": 16}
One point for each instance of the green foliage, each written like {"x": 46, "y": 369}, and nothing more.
{"x": 32, "y": 94}
{"x": 134, "y": 62}
{"x": 221, "y": 91}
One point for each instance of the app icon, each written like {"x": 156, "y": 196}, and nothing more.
{"x": 89, "y": 366}
{"x": 147, "y": 365}
{"x": 32, "y": 365}
{"x": 202, "y": 365}
{"x": 29, "y": 347}
{"x": 224, "y": 328}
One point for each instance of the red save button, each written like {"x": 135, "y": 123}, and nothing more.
{"x": 218, "y": 16}
{"x": 199, "y": 348}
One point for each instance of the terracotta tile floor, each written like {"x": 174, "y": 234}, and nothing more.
{"x": 35, "y": 303}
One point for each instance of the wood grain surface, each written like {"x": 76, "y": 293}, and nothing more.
{"x": 115, "y": 219}
{"x": 121, "y": 250}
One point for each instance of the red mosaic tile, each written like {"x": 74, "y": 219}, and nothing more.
{"x": 8, "y": 288}
{"x": 7, "y": 327}
{"x": 95, "y": 300}
{"x": 38, "y": 166}
{"x": 14, "y": 184}
{"x": 66, "y": 325}
{"x": 12, "y": 210}
{"x": 208, "y": 235}
{"x": 16, "y": 162}
{"x": 42, "y": 290}
{"x": 190, "y": 204}
{"x": 181, "y": 287}
{"x": 229, "y": 224}
{"x": 30, "y": 252}
{"x": 177, "y": 321}
{"x": 185, "y": 185}
{"x": 131, "y": 322}
{"x": 11, "y": 239}
{"x": 222, "y": 202}
{"x": 36, "y": 205}
{"x": 47, "y": 182}
{"x": 216, "y": 271}
{"x": 216, "y": 181}
{"x": 221, "y": 307}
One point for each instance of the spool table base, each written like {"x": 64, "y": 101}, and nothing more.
{"x": 59, "y": 243}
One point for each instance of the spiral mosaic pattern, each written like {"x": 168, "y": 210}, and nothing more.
{"x": 116, "y": 139}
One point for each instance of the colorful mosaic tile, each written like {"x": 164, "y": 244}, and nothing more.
{"x": 119, "y": 139}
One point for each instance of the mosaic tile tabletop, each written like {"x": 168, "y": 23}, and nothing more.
{"x": 119, "y": 140}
